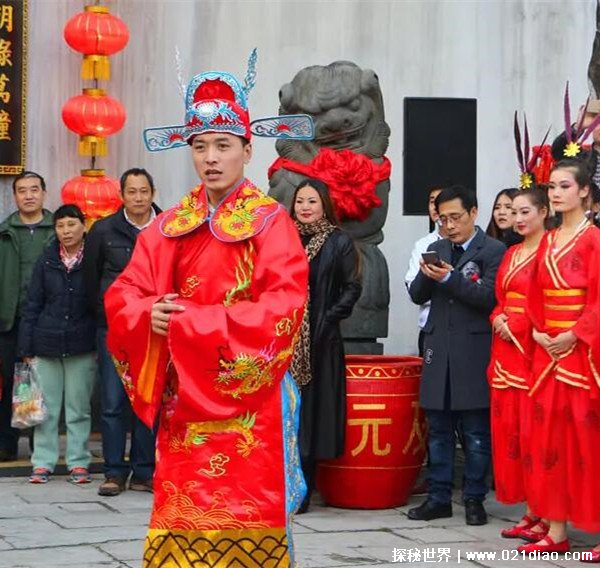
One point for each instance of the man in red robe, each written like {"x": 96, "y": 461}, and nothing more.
{"x": 202, "y": 325}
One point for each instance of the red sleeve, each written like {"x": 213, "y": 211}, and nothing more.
{"x": 141, "y": 356}
{"x": 587, "y": 328}
{"x": 519, "y": 324}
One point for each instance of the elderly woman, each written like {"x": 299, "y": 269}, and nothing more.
{"x": 57, "y": 335}
{"x": 318, "y": 362}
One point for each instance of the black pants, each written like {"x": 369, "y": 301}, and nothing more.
{"x": 9, "y": 437}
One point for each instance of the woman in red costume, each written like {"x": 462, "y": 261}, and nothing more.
{"x": 511, "y": 350}
{"x": 561, "y": 430}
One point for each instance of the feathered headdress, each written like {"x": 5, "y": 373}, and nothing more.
{"x": 576, "y": 135}
{"x": 531, "y": 159}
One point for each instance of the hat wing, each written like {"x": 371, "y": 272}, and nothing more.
{"x": 164, "y": 138}
{"x": 294, "y": 126}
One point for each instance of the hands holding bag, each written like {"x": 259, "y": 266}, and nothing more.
{"x": 29, "y": 408}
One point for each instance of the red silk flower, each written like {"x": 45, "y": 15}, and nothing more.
{"x": 352, "y": 179}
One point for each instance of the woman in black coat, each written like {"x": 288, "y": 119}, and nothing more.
{"x": 318, "y": 362}
{"x": 57, "y": 335}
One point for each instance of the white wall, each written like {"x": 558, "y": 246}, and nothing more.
{"x": 507, "y": 54}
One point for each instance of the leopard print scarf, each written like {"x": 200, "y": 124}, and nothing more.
{"x": 300, "y": 367}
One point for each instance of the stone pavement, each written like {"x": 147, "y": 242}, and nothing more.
{"x": 67, "y": 526}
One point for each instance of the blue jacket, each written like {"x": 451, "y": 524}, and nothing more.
{"x": 56, "y": 319}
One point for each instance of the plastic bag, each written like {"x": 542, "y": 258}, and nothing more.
{"x": 28, "y": 406}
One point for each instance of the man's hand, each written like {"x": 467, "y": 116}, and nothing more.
{"x": 542, "y": 339}
{"x": 561, "y": 343}
{"x": 437, "y": 273}
{"x": 161, "y": 313}
{"x": 501, "y": 327}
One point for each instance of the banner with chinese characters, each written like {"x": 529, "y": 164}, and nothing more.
{"x": 13, "y": 83}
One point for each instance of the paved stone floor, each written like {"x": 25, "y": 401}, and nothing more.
{"x": 62, "y": 525}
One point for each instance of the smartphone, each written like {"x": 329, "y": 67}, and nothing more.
{"x": 432, "y": 257}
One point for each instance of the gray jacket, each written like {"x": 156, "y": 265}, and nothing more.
{"x": 458, "y": 332}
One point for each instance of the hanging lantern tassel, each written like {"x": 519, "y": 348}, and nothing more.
{"x": 95, "y": 67}
{"x": 96, "y": 34}
{"x": 92, "y": 146}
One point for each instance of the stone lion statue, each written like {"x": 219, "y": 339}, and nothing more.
{"x": 351, "y": 137}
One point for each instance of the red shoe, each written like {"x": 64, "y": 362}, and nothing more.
{"x": 80, "y": 475}
{"x": 593, "y": 558}
{"x": 530, "y": 535}
{"x": 515, "y": 532}
{"x": 550, "y": 546}
{"x": 40, "y": 475}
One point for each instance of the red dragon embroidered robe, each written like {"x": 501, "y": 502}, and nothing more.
{"x": 227, "y": 473}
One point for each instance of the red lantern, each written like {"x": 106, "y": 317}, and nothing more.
{"x": 97, "y": 34}
{"x": 96, "y": 194}
{"x": 94, "y": 116}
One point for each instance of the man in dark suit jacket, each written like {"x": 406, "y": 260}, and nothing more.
{"x": 108, "y": 249}
{"x": 454, "y": 388}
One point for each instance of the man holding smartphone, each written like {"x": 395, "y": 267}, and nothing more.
{"x": 439, "y": 232}
{"x": 459, "y": 282}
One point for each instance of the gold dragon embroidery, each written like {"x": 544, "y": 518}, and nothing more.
{"x": 249, "y": 373}
{"x": 243, "y": 276}
{"x": 237, "y": 218}
{"x": 190, "y": 213}
{"x": 285, "y": 326}
{"x": 122, "y": 368}
{"x": 198, "y": 433}
{"x": 190, "y": 285}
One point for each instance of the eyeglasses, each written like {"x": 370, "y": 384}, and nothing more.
{"x": 454, "y": 217}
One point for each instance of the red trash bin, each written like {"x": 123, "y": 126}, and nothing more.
{"x": 386, "y": 435}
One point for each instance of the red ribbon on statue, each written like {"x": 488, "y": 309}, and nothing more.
{"x": 351, "y": 177}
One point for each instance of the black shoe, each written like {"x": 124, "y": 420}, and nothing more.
{"x": 430, "y": 510}
{"x": 475, "y": 513}
{"x": 7, "y": 455}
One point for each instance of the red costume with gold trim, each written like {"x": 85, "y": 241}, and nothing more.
{"x": 561, "y": 431}
{"x": 508, "y": 373}
{"x": 227, "y": 476}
